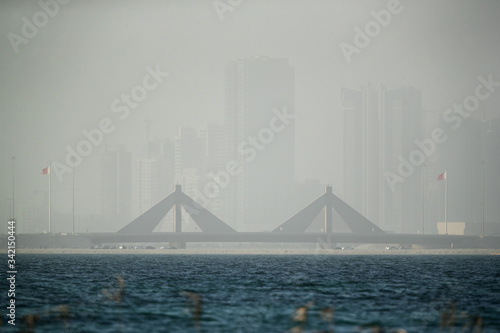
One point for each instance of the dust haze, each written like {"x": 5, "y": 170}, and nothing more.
{"x": 253, "y": 107}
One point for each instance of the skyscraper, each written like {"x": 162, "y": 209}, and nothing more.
{"x": 116, "y": 175}
{"x": 380, "y": 126}
{"x": 256, "y": 90}
{"x": 361, "y": 114}
{"x": 401, "y": 126}
{"x": 189, "y": 160}
{"x": 160, "y": 161}
{"x": 218, "y": 157}
{"x": 156, "y": 178}
{"x": 149, "y": 183}
{"x": 354, "y": 113}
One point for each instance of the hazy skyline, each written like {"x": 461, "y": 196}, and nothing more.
{"x": 65, "y": 79}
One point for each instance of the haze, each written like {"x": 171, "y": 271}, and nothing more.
{"x": 64, "y": 79}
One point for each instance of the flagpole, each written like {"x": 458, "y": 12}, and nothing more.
{"x": 50, "y": 194}
{"x": 73, "y": 172}
{"x": 445, "y": 202}
{"x": 13, "y": 194}
{"x": 73, "y": 159}
{"x": 482, "y": 224}
{"x": 423, "y": 197}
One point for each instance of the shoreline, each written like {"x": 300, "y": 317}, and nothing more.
{"x": 235, "y": 251}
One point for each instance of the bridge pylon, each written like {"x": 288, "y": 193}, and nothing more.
{"x": 329, "y": 201}
{"x": 147, "y": 221}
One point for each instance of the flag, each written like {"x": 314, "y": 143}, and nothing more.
{"x": 442, "y": 176}
{"x": 46, "y": 171}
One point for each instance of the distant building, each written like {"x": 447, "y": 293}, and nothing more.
{"x": 256, "y": 89}
{"x": 381, "y": 125}
{"x": 218, "y": 157}
{"x": 162, "y": 150}
{"x": 354, "y": 113}
{"x": 362, "y": 150}
{"x": 217, "y": 149}
{"x": 401, "y": 121}
{"x": 116, "y": 192}
{"x": 25, "y": 221}
{"x": 451, "y": 228}
{"x": 149, "y": 183}
{"x": 155, "y": 174}
{"x": 189, "y": 153}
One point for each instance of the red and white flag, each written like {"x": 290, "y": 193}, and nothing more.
{"x": 46, "y": 171}
{"x": 442, "y": 176}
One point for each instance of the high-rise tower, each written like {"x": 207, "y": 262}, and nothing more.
{"x": 258, "y": 90}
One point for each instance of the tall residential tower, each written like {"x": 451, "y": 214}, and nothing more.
{"x": 258, "y": 91}
{"x": 116, "y": 185}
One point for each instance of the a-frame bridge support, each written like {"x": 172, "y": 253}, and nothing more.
{"x": 328, "y": 201}
{"x": 209, "y": 223}
{"x": 148, "y": 221}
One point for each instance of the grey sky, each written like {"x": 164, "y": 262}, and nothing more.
{"x": 65, "y": 78}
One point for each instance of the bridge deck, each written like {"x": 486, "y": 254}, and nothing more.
{"x": 333, "y": 238}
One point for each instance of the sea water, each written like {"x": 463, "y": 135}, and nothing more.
{"x": 255, "y": 293}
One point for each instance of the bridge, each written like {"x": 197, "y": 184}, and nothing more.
{"x": 324, "y": 240}
{"x": 290, "y": 231}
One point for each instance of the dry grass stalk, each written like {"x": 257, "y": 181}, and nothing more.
{"x": 197, "y": 302}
